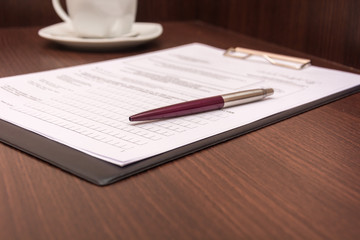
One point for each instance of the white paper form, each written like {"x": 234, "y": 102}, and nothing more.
{"x": 87, "y": 107}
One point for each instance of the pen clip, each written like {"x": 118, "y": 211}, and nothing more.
{"x": 273, "y": 58}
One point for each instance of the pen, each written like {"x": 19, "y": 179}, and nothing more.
{"x": 204, "y": 104}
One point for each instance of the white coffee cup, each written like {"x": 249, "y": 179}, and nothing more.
{"x": 98, "y": 18}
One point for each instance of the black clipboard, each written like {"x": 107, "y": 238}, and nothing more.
{"x": 103, "y": 173}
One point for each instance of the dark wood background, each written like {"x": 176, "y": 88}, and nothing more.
{"x": 325, "y": 28}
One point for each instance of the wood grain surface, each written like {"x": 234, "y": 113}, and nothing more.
{"x": 297, "y": 179}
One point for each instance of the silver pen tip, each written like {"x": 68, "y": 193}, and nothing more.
{"x": 268, "y": 92}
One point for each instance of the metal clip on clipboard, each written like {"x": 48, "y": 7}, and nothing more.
{"x": 276, "y": 59}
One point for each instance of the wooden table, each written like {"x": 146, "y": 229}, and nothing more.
{"x": 297, "y": 179}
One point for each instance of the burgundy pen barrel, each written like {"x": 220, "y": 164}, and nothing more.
{"x": 181, "y": 109}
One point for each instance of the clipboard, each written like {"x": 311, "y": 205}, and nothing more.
{"x": 103, "y": 173}
{"x": 272, "y": 58}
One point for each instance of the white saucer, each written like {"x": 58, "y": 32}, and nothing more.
{"x": 62, "y": 33}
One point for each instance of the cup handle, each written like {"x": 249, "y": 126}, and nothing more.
{"x": 60, "y": 11}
